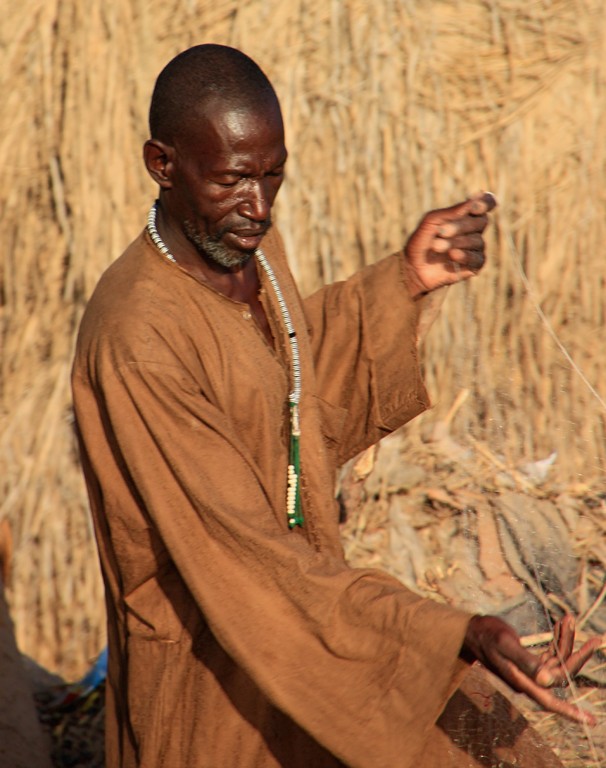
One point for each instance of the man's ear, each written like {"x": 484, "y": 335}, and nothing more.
{"x": 158, "y": 158}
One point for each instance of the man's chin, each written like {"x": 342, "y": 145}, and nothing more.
{"x": 224, "y": 256}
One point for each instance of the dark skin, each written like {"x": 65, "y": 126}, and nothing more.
{"x": 226, "y": 172}
{"x": 223, "y": 176}
{"x": 494, "y": 643}
{"x": 218, "y": 180}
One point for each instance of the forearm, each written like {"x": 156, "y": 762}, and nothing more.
{"x": 364, "y": 343}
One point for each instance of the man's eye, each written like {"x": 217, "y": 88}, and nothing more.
{"x": 231, "y": 183}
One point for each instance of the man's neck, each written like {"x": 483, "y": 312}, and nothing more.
{"x": 240, "y": 283}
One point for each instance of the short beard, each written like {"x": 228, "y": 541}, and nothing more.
{"x": 213, "y": 248}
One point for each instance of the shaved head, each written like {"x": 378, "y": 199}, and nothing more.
{"x": 202, "y": 75}
{"x": 217, "y": 153}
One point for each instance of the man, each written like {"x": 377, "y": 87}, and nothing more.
{"x": 213, "y": 407}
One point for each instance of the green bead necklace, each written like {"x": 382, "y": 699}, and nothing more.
{"x": 294, "y": 509}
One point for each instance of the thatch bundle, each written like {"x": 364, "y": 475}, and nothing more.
{"x": 391, "y": 108}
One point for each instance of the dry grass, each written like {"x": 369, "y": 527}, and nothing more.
{"x": 432, "y": 517}
{"x": 392, "y": 108}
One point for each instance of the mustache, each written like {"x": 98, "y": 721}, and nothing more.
{"x": 259, "y": 227}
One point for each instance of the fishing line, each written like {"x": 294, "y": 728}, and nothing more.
{"x": 467, "y": 344}
{"x": 517, "y": 261}
{"x": 532, "y": 296}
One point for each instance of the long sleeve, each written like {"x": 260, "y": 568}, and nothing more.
{"x": 218, "y": 613}
{"x": 363, "y": 334}
{"x": 344, "y": 653}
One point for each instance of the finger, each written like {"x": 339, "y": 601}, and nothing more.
{"x": 475, "y": 206}
{"x": 508, "y": 653}
{"x": 441, "y": 245}
{"x": 498, "y": 646}
{"x": 557, "y": 671}
{"x": 483, "y": 203}
{"x": 472, "y": 260}
{"x": 549, "y": 701}
{"x": 464, "y": 225}
{"x": 578, "y": 660}
{"x": 513, "y": 674}
{"x": 563, "y": 636}
{"x": 562, "y": 643}
{"x": 472, "y": 242}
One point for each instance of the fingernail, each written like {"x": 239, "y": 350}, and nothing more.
{"x": 446, "y": 230}
{"x": 490, "y": 198}
{"x": 588, "y": 718}
{"x": 477, "y": 262}
{"x": 441, "y": 245}
{"x": 545, "y": 679}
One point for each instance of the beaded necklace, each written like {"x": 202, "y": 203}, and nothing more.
{"x": 294, "y": 509}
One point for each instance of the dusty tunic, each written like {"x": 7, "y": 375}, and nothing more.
{"x": 235, "y": 641}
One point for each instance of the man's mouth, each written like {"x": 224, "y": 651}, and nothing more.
{"x": 249, "y": 238}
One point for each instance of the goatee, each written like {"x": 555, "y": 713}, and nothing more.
{"x": 212, "y": 247}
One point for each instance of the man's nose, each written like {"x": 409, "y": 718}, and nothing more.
{"x": 258, "y": 200}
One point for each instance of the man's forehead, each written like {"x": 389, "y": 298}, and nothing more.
{"x": 234, "y": 115}
{"x": 227, "y": 126}
{"x": 242, "y": 123}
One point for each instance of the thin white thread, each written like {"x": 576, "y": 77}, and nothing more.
{"x": 573, "y": 688}
{"x": 545, "y": 320}
{"x": 530, "y": 292}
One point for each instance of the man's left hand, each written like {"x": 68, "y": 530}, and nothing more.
{"x": 497, "y": 646}
{"x": 448, "y": 245}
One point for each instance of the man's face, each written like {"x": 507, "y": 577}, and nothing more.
{"x": 227, "y": 172}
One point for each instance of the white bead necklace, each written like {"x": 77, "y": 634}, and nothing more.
{"x": 153, "y": 233}
{"x": 294, "y": 509}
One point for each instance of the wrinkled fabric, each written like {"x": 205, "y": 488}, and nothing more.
{"x": 233, "y": 640}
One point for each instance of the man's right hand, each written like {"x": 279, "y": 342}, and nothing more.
{"x": 448, "y": 245}
{"x": 497, "y": 646}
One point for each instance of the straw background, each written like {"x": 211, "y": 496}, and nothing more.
{"x": 392, "y": 108}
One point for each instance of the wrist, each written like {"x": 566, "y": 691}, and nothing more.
{"x": 414, "y": 284}
{"x": 469, "y": 648}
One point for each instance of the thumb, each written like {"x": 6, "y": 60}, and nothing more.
{"x": 482, "y": 203}
{"x": 478, "y": 205}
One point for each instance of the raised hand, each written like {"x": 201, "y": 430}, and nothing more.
{"x": 448, "y": 246}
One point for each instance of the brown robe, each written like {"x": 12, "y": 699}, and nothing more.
{"x": 233, "y": 640}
